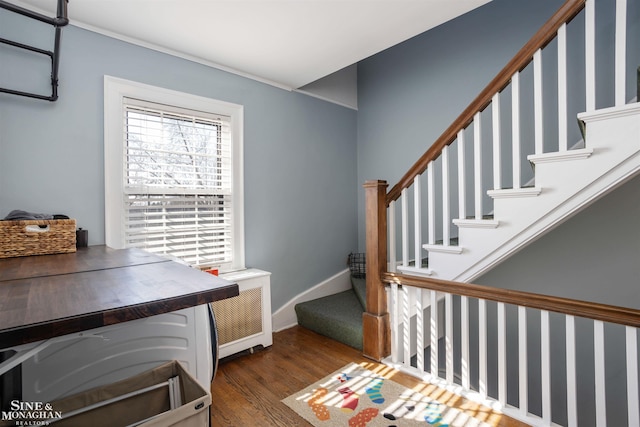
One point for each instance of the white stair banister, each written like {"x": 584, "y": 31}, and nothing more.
{"x": 482, "y": 347}
{"x": 563, "y": 143}
{"x": 448, "y": 310}
{"x": 515, "y": 128}
{"x": 417, "y": 221}
{"x": 404, "y": 205}
{"x": 391, "y": 219}
{"x": 395, "y": 323}
{"x": 599, "y": 374}
{"x": 620, "y": 52}
{"x": 431, "y": 194}
{"x": 633, "y": 400}
{"x": 464, "y": 341}
{"x": 406, "y": 322}
{"x": 477, "y": 165}
{"x": 446, "y": 215}
{"x": 473, "y": 336}
{"x": 523, "y": 375}
{"x": 433, "y": 336}
{"x": 497, "y": 144}
{"x": 590, "y": 54}
{"x": 545, "y": 366}
{"x": 502, "y": 354}
{"x": 572, "y": 403}
{"x": 538, "y": 102}
{"x": 462, "y": 195}
{"x": 419, "y": 330}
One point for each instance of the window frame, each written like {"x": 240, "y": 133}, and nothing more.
{"x": 115, "y": 92}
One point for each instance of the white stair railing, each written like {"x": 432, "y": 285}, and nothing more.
{"x": 564, "y": 386}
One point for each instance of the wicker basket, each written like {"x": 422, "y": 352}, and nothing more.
{"x": 37, "y": 237}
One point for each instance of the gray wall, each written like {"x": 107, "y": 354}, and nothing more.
{"x": 300, "y": 152}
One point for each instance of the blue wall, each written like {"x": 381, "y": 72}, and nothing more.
{"x": 300, "y": 152}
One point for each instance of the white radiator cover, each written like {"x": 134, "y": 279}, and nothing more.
{"x": 244, "y": 322}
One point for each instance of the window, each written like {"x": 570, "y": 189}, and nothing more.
{"x": 173, "y": 174}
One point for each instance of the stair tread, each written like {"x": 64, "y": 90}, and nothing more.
{"x": 338, "y": 316}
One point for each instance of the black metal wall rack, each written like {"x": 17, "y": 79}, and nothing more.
{"x": 58, "y": 22}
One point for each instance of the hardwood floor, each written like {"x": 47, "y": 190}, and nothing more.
{"x": 248, "y": 389}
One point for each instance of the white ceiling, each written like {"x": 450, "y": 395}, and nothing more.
{"x": 288, "y": 43}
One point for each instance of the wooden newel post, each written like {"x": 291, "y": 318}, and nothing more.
{"x": 375, "y": 321}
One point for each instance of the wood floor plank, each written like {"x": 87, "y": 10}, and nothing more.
{"x": 248, "y": 388}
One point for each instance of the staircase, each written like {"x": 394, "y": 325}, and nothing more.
{"x": 446, "y": 220}
{"x": 540, "y": 359}
{"x": 487, "y": 187}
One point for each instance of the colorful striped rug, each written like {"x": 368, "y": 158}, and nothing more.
{"x": 357, "y": 397}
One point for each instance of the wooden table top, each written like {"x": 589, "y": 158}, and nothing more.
{"x": 51, "y": 295}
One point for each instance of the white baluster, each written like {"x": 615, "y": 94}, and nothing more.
{"x": 502, "y": 354}
{"x": 599, "y": 374}
{"x": 633, "y": 401}
{"x": 462, "y": 195}
{"x": 419, "y": 330}
{"x": 497, "y": 151}
{"x": 477, "y": 164}
{"x": 464, "y": 342}
{"x": 405, "y": 228}
{"x": 572, "y": 403}
{"x": 562, "y": 88}
{"x": 620, "y": 51}
{"x": 417, "y": 222}
{"x": 448, "y": 345}
{"x": 538, "y": 102}
{"x": 590, "y": 54}
{"x": 522, "y": 361}
{"x": 545, "y": 366}
{"x": 395, "y": 324}
{"x": 406, "y": 330}
{"x": 391, "y": 220}
{"x": 482, "y": 347}
{"x": 446, "y": 215}
{"x": 434, "y": 334}
{"x": 515, "y": 128}
{"x": 432, "y": 203}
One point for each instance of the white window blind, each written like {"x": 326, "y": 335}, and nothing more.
{"x": 178, "y": 182}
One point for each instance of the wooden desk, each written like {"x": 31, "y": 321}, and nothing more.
{"x": 52, "y": 295}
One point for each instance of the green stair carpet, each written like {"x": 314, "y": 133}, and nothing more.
{"x": 337, "y": 316}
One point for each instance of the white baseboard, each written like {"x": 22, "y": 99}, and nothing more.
{"x": 285, "y": 316}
